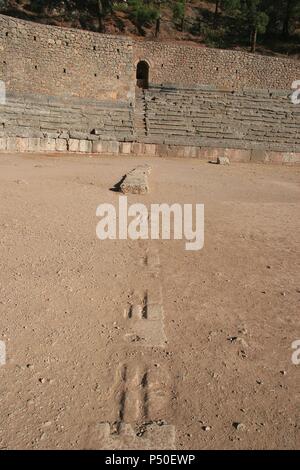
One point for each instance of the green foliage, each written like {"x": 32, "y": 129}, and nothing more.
{"x": 143, "y": 13}
{"x": 231, "y": 6}
{"x": 120, "y": 6}
{"x": 179, "y": 10}
{"x": 255, "y": 15}
{"x": 214, "y": 37}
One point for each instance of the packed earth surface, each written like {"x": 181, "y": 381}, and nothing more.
{"x": 141, "y": 343}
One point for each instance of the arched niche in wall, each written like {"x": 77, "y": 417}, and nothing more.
{"x": 142, "y": 74}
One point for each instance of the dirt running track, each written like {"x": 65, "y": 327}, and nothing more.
{"x": 142, "y": 344}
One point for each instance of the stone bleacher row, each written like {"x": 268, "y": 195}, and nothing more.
{"x": 204, "y": 117}
{"x": 199, "y": 116}
{"x": 65, "y": 118}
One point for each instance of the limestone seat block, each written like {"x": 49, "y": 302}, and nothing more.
{"x": 136, "y": 181}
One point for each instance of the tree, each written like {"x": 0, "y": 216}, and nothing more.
{"x": 142, "y": 13}
{"x": 216, "y": 15}
{"x": 158, "y": 19}
{"x": 179, "y": 12}
{"x": 290, "y": 9}
{"x": 257, "y": 20}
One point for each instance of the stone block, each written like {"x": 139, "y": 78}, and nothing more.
{"x": 47, "y": 144}
{"x": 85, "y": 146}
{"x": 150, "y": 149}
{"x": 162, "y": 150}
{"x": 73, "y": 145}
{"x": 11, "y": 145}
{"x": 260, "y": 156}
{"x": 125, "y": 148}
{"x": 290, "y": 157}
{"x": 110, "y": 147}
{"x": 190, "y": 152}
{"x": 2, "y": 143}
{"x": 238, "y": 155}
{"x": 223, "y": 161}
{"x": 137, "y": 148}
{"x": 33, "y": 144}
{"x": 22, "y": 144}
{"x": 97, "y": 147}
{"x": 136, "y": 181}
{"x": 61, "y": 145}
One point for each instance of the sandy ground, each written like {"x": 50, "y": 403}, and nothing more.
{"x": 208, "y": 368}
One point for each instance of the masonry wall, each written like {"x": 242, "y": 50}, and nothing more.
{"x": 41, "y": 59}
{"x": 194, "y": 65}
{"x": 70, "y": 90}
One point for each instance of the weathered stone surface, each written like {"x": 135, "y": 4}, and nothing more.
{"x": 85, "y": 146}
{"x": 47, "y": 145}
{"x": 3, "y": 143}
{"x": 33, "y": 144}
{"x": 238, "y": 155}
{"x": 22, "y": 144}
{"x": 97, "y": 147}
{"x": 154, "y": 436}
{"x": 259, "y": 156}
{"x": 223, "y": 161}
{"x": 11, "y": 144}
{"x": 291, "y": 157}
{"x": 110, "y": 147}
{"x": 125, "y": 148}
{"x": 78, "y": 135}
{"x": 73, "y": 145}
{"x": 136, "y": 181}
{"x": 61, "y": 145}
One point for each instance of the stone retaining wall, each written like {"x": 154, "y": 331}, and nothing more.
{"x": 44, "y": 59}
{"x": 191, "y": 64}
{"x": 113, "y": 148}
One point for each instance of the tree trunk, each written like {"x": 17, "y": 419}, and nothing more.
{"x": 216, "y": 13}
{"x": 182, "y": 24}
{"x": 253, "y": 39}
{"x": 157, "y": 27}
{"x": 287, "y": 18}
{"x": 100, "y": 16}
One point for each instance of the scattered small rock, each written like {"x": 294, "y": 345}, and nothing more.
{"x": 206, "y": 428}
{"x": 239, "y": 426}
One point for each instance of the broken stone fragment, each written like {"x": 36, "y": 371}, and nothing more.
{"x": 136, "y": 181}
{"x": 223, "y": 161}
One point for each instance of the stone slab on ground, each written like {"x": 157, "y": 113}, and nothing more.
{"x": 223, "y": 161}
{"x": 136, "y": 181}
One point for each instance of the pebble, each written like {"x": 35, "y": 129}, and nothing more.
{"x": 238, "y": 426}
{"x": 206, "y": 428}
